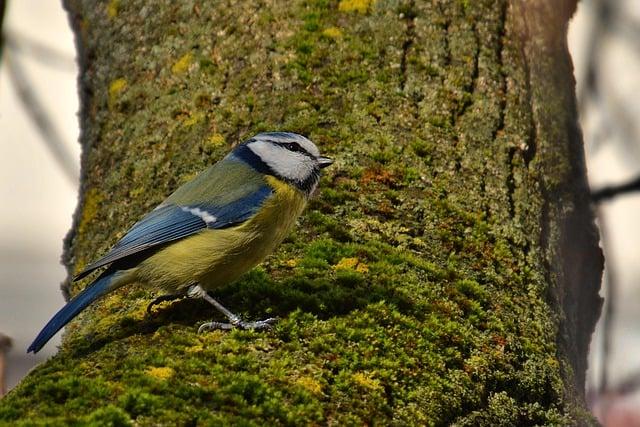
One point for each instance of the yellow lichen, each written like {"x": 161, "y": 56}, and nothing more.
{"x": 112, "y": 8}
{"x": 193, "y": 119}
{"x": 351, "y": 264}
{"x": 346, "y": 264}
{"x": 215, "y": 140}
{"x": 309, "y": 384}
{"x": 291, "y": 263}
{"x": 195, "y": 348}
{"x": 182, "y": 64}
{"x": 366, "y": 381}
{"x": 332, "y": 32}
{"x": 115, "y": 90}
{"x": 136, "y": 192}
{"x": 161, "y": 372}
{"x": 92, "y": 200}
{"x": 361, "y": 6}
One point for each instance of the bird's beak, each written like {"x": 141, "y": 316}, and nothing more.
{"x": 324, "y": 162}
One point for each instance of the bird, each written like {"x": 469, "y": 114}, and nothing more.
{"x": 211, "y": 230}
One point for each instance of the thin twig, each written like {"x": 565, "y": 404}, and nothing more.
{"x": 2, "y": 9}
{"x": 609, "y": 192}
{"x": 3, "y": 5}
{"x": 38, "y": 114}
{"x": 19, "y": 43}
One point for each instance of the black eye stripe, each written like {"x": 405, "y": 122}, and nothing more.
{"x": 293, "y": 146}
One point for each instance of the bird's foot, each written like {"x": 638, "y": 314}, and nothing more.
{"x": 234, "y": 321}
{"x": 260, "y": 325}
{"x": 163, "y": 298}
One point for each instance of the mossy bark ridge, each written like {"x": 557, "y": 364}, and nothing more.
{"x": 446, "y": 273}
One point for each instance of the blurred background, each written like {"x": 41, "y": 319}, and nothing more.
{"x": 39, "y": 162}
{"x": 604, "y": 38}
{"x": 38, "y": 176}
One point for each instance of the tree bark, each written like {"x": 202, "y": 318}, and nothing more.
{"x": 446, "y": 273}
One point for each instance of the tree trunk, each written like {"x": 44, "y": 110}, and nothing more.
{"x": 446, "y": 273}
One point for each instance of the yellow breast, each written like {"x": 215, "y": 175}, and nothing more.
{"x": 213, "y": 258}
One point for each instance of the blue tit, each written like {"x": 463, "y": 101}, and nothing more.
{"x": 211, "y": 230}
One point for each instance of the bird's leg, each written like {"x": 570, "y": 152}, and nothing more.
{"x": 164, "y": 298}
{"x": 234, "y": 320}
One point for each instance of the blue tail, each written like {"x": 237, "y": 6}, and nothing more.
{"x": 73, "y": 307}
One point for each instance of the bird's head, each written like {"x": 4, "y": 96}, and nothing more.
{"x": 285, "y": 155}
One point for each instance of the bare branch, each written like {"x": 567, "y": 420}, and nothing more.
{"x": 36, "y": 111}
{"x": 609, "y": 192}
{"x": 48, "y": 55}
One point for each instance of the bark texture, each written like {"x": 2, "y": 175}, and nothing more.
{"x": 446, "y": 273}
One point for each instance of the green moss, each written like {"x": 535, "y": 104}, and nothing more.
{"x": 108, "y": 416}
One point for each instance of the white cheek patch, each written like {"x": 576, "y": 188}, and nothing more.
{"x": 203, "y": 215}
{"x": 294, "y": 166}
{"x": 285, "y": 163}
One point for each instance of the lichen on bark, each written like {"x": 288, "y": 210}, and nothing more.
{"x": 427, "y": 283}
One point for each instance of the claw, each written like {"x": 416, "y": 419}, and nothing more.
{"x": 196, "y": 291}
{"x": 260, "y": 325}
{"x": 212, "y": 326}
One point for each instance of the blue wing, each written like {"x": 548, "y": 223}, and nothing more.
{"x": 171, "y": 222}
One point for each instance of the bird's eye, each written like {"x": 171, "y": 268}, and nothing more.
{"x": 292, "y": 146}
